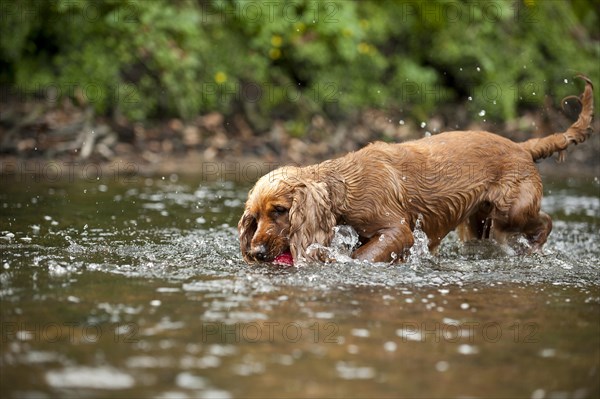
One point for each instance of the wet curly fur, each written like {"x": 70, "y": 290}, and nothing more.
{"x": 479, "y": 183}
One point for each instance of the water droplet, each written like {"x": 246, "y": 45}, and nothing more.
{"x": 360, "y": 332}
{"x": 390, "y": 346}
{"x": 442, "y": 366}
{"x": 538, "y": 394}
{"x": 548, "y": 352}
{"x": 466, "y": 349}
{"x": 482, "y": 112}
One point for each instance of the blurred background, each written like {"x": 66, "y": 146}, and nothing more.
{"x": 299, "y": 81}
{"x": 131, "y": 131}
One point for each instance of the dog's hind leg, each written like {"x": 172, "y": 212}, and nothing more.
{"x": 537, "y": 231}
{"x": 522, "y": 215}
{"x": 478, "y": 224}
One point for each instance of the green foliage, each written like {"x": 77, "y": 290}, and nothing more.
{"x": 289, "y": 60}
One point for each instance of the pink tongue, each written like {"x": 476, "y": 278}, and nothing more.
{"x": 284, "y": 259}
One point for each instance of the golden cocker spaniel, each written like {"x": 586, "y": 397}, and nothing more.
{"x": 482, "y": 184}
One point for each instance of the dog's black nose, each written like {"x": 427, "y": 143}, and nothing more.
{"x": 259, "y": 252}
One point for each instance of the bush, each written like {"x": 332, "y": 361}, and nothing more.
{"x": 277, "y": 59}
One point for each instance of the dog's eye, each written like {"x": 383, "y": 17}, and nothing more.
{"x": 280, "y": 210}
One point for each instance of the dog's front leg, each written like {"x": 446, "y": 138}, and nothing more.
{"x": 390, "y": 244}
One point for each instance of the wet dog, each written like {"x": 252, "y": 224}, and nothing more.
{"x": 482, "y": 184}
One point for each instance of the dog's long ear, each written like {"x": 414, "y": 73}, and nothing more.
{"x": 246, "y": 229}
{"x": 311, "y": 219}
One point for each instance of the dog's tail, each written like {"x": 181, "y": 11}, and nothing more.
{"x": 579, "y": 131}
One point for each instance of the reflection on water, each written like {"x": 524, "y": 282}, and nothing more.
{"x": 139, "y": 289}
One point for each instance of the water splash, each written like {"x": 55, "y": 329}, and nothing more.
{"x": 419, "y": 252}
{"x": 343, "y": 243}
{"x": 181, "y": 251}
{"x": 345, "y": 239}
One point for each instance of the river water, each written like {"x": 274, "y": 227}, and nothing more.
{"x": 135, "y": 287}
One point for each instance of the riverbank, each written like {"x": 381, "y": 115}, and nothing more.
{"x": 67, "y": 142}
